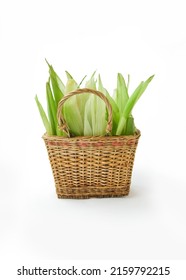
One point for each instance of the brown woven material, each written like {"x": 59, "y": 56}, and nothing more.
{"x": 91, "y": 166}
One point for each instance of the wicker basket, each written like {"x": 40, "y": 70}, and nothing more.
{"x": 84, "y": 167}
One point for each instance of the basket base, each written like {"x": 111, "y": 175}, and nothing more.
{"x": 92, "y": 192}
{"x": 90, "y": 196}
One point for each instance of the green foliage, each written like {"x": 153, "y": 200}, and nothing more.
{"x": 86, "y": 114}
{"x": 44, "y": 118}
{"x": 57, "y": 85}
{"x": 71, "y": 109}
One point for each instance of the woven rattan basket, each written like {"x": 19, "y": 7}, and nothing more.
{"x": 84, "y": 167}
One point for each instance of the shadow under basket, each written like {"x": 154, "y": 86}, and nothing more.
{"x": 91, "y": 166}
{"x": 85, "y": 167}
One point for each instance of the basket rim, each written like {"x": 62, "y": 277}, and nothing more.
{"x": 91, "y": 138}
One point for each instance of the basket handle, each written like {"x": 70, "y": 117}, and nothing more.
{"x": 61, "y": 121}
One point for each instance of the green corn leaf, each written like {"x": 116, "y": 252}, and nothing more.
{"x": 130, "y": 127}
{"x": 69, "y": 76}
{"x": 53, "y": 110}
{"x": 93, "y": 74}
{"x": 89, "y": 112}
{"x": 121, "y": 126}
{"x": 51, "y": 101}
{"x": 115, "y": 108}
{"x": 100, "y": 85}
{"x": 135, "y": 97}
{"x": 114, "y": 95}
{"x": 60, "y": 132}
{"x": 73, "y": 119}
{"x": 57, "y": 85}
{"x": 58, "y": 94}
{"x": 77, "y": 101}
{"x": 71, "y": 110}
{"x": 132, "y": 100}
{"x": 98, "y": 116}
{"x": 115, "y": 113}
{"x": 97, "y": 109}
{"x": 44, "y": 117}
{"x": 55, "y": 77}
{"x": 91, "y": 83}
{"x": 71, "y": 85}
{"x": 104, "y": 91}
{"x": 88, "y": 119}
{"x": 86, "y": 114}
{"x": 82, "y": 99}
{"x": 82, "y": 81}
{"x": 121, "y": 93}
{"x": 87, "y": 128}
{"x": 100, "y": 111}
{"x": 51, "y": 107}
{"x": 58, "y": 81}
{"x": 93, "y": 100}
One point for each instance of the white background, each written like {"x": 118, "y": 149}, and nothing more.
{"x": 137, "y": 37}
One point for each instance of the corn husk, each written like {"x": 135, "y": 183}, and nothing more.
{"x": 135, "y": 96}
{"x": 86, "y": 114}
{"x": 95, "y": 110}
{"x": 121, "y": 93}
{"x": 58, "y": 87}
{"x": 71, "y": 110}
{"x": 44, "y": 118}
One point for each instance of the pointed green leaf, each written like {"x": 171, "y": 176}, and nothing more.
{"x": 100, "y": 110}
{"x": 57, "y": 85}
{"x": 71, "y": 85}
{"x": 58, "y": 94}
{"x": 88, "y": 119}
{"x": 115, "y": 113}
{"x": 43, "y": 117}
{"x": 114, "y": 95}
{"x": 69, "y": 76}
{"x": 130, "y": 127}
{"x": 90, "y": 111}
{"x": 100, "y": 85}
{"x": 135, "y": 97}
{"x": 91, "y": 83}
{"x": 73, "y": 118}
{"x": 97, "y": 108}
{"x": 115, "y": 108}
{"x": 53, "y": 111}
{"x": 82, "y": 81}
{"x": 87, "y": 128}
{"x": 121, "y": 93}
{"x": 93, "y": 74}
{"x": 121, "y": 126}
{"x": 71, "y": 110}
{"x": 88, "y": 115}
{"x": 79, "y": 100}
{"x": 51, "y": 107}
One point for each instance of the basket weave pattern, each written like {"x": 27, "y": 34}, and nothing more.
{"x": 84, "y": 167}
